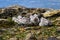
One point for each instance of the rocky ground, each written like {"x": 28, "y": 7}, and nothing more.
{"x": 9, "y": 30}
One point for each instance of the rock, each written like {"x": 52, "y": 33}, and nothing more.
{"x": 23, "y": 14}
{"x": 52, "y": 38}
{"x": 58, "y": 18}
{"x": 8, "y": 13}
{"x": 3, "y": 20}
{"x": 51, "y": 13}
{"x": 40, "y": 38}
{"x": 13, "y": 38}
{"x": 58, "y": 37}
{"x": 58, "y": 21}
{"x": 44, "y": 22}
{"x": 1, "y": 31}
{"x": 28, "y": 28}
{"x": 58, "y": 29}
{"x": 1, "y": 10}
{"x": 38, "y": 32}
{"x": 30, "y": 36}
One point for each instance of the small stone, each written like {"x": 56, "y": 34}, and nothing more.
{"x": 52, "y": 38}
{"x": 58, "y": 37}
{"x": 30, "y": 36}
{"x": 13, "y": 38}
{"x": 38, "y": 32}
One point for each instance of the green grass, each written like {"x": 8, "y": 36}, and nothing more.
{"x": 45, "y": 31}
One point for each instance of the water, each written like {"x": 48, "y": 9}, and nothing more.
{"x": 55, "y": 4}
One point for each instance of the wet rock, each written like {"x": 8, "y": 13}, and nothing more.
{"x": 44, "y": 22}
{"x": 52, "y": 38}
{"x": 30, "y": 37}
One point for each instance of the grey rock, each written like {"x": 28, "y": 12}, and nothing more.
{"x": 52, "y": 38}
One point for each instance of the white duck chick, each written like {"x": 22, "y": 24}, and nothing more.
{"x": 19, "y": 17}
{"x": 23, "y": 20}
{"x": 44, "y": 22}
{"x": 34, "y": 19}
{"x": 14, "y": 19}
